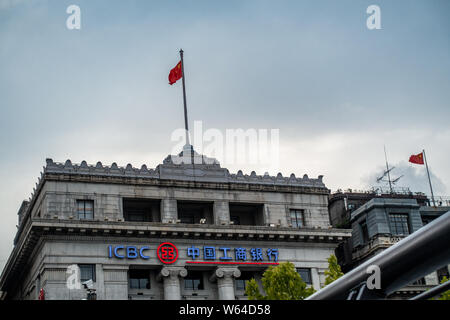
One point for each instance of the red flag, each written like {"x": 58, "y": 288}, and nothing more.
{"x": 41, "y": 294}
{"x": 417, "y": 159}
{"x": 175, "y": 74}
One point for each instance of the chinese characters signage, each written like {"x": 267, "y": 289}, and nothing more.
{"x": 236, "y": 254}
{"x": 167, "y": 253}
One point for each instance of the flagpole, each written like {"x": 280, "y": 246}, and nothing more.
{"x": 184, "y": 100}
{"x": 429, "y": 180}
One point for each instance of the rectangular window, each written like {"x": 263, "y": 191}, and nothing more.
{"x": 195, "y": 212}
{"x": 297, "y": 219}
{"x": 241, "y": 282}
{"x": 399, "y": 224}
{"x": 427, "y": 219}
{"x": 364, "y": 232}
{"x": 194, "y": 281}
{"x": 139, "y": 279}
{"x": 420, "y": 282}
{"x": 141, "y": 210}
{"x": 85, "y": 209}
{"x": 87, "y": 272}
{"x": 305, "y": 274}
{"x": 236, "y": 220}
{"x": 247, "y": 214}
{"x": 443, "y": 272}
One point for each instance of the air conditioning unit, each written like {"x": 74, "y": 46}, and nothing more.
{"x": 231, "y": 222}
{"x": 70, "y": 217}
{"x": 177, "y": 221}
{"x": 272, "y": 225}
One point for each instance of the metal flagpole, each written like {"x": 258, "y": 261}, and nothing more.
{"x": 184, "y": 99}
{"x": 429, "y": 180}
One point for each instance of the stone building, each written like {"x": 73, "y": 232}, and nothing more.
{"x": 382, "y": 222}
{"x": 179, "y": 231}
{"x": 342, "y": 203}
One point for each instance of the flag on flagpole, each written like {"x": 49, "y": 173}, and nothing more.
{"x": 175, "y": 74}
{"x": 416, "y": 158}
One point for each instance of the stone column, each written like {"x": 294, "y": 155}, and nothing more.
{"x": 225, "y": 281}
{"x": 315, "y": 278}
{"x": 169, "y": 210}
{"x": 171, "y": 280}
{"x": 221, "y": 213}
{"x": 99, "y": 282}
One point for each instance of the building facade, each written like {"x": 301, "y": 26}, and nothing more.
{"x": 382, "y": 222}
{"x": 342, "y": 203}
{"x": 187, "y": 229}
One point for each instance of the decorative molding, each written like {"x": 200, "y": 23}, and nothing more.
{"x": 225, "y": 273}
{"x": 172, "y": 273}
{"x": 177, "y": 168}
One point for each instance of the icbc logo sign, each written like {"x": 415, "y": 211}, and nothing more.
{"x": 167, "y": 253}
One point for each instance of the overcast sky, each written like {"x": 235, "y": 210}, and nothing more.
{"x": 337, "y": 91}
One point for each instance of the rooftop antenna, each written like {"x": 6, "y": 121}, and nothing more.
{"x": 387, "y": 169}
{"x": 388, "y": 173}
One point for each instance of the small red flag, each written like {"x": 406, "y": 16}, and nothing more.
{"x": 41, "y": 294}
{"x": 175, "y": 74}
{"x": 417, "y": 159}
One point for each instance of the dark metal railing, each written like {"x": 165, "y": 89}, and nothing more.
{"x": 412, "y": 258}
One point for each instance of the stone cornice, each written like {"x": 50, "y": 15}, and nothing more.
{"x": 183, "y": 231}
{"x": 171, "y": 173}
{"x": 36, "y": 228}
{"x": 181, "y": 172}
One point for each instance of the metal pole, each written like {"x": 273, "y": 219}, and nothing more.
{"x": 387, "y": 169}
{"x": 422, "y": 252}
{"x": 184, "y": 100}
{"x": 429, "y": 179}
{"x": 433, "y": 292}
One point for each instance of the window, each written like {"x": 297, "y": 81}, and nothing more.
{"x": 364, "y": 232}
{"x": 193, "y": 281}
{"x": 187, "y": 218}
{"x": 247, "y": 214}
{"x": 139, "y": 279}
{"x": 297, "y": 219}
{"x": 399, "y": 224}
{"x": 305, "y": 274}
{"x": 236, "y": 220}
{"x": 85, "y": 209}
{"x": 141, "y": 210}
{"x": 420, "y": 282}
{"x": 87, "y": 272}
{"x": 195, "y": 212}
{"x": 241, "y": 282}
{"x": 427, "y": 219}
{"x": 441, "y": 273}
